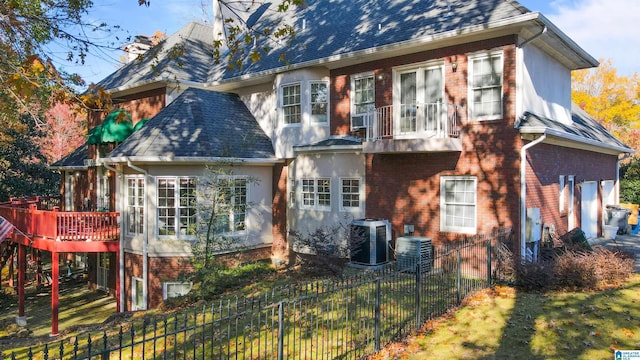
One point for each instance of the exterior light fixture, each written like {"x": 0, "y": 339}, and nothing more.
{"x": 454, "y": 66}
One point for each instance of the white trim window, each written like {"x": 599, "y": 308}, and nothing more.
{"x": 350, "y": 194}
{"x": 135, "y": 205}
{"x": 458, "y": 204}
{"x": 316, "y": 193}
{"x": 561, "y": 196}
{"x": 485, "y": 86}
{"x": 171, "y": 289}
{"x": 176, "y": 207}
{"x": 291, "y": 104}
{"x": 319, "y": 102}
{"x": 232, "y": 209}
{"x": 571, "y": 182}
{"x": 362, "y": 98}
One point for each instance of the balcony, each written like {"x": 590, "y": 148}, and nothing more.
{"x": 55, "y": 230}
{"x": 412, "y": 128}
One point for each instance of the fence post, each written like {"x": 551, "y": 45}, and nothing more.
{"x": 281, "y": 330}
{"x": 418, "y": 297}
{"x": 489, "y": 277}
{"x": 458, "y": 277}
{"x": 377, "y": 317}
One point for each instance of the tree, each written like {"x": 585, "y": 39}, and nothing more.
{"x": 65, "y": 130}
{"x": 612, "y": 100}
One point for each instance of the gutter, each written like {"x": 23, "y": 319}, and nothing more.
{"x": 523, "y": 193}
{"x": 575, "y": 138}
{"x": 196, "y": 160}
{"x": 145, "y": 242}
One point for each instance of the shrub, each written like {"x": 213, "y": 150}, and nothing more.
{"x": 572, "y": 270}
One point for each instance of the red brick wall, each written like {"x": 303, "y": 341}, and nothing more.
{"x": 456, "y": 82}
{"x": 163, "y": 269}
{"x": 405, "y": 188}
{"x": 546, "y": 163}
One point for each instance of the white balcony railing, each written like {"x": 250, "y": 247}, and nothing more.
{"x": 408, "y": 121}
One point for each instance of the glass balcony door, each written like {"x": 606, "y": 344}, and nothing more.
{"x": 419, "y": 105}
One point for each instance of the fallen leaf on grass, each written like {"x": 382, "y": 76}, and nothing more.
{"x": 627, "y": 332}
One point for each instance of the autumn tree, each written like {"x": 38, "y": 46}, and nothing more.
{"x": 64, "y": 131}
{"x": 612, "y": 99}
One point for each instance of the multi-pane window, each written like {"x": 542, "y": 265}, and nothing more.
{"x": 231, "y": 211}
{"x": 135, "y": 205}
{"x": 486, "y": 87}
{"x": 316, "y": 193}
{"x": 291, "y": 105}
{"x": 349, "y": 193}
{"x": 176, "y": 206}
{"x": 363, "y": 94}
{"x": 458, "y": 204}
{"x": 319, "y": 102}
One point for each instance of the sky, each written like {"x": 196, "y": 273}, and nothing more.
{"x": 606, "y": 29}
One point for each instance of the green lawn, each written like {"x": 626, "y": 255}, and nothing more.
{"x": 502, "y": 323}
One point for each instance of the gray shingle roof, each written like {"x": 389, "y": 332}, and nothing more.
{"x": 340, "y": 27}
{"x": 75, "y": 160}
{"x": 582, "y": 126}
{"x": 200, "y": 124}
{"x": 332, "y": 28}
{"x": 186, "y": 55}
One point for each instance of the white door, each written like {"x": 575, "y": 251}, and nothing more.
{"x": 103, "y": 271}
{"x": 589, "y": 209}
{"x": 607, "y": 197}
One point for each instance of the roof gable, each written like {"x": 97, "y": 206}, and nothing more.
{"x": 186, "y": 55}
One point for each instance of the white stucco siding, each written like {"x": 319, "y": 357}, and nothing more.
{"x": 545, "y": 86}
{"x": 333, "y": 166}
{"x": 258, "y": 219}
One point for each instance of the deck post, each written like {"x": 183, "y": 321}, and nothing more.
{"x": 54, "y": 292}
{"x": 21, "y": 320}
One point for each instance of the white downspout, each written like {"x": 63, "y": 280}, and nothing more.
{"x": 145, "y": 242}
{"x": 523, "y": 192}
{"x": 120, "y": 200}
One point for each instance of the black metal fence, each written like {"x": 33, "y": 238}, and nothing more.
{"x": 347, "y": 318}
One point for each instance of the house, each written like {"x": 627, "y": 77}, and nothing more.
{"x": 447, "y": 117}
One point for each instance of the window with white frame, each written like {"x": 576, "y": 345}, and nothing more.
{"x": 231, "y": 212}
{"x": 319, "y": 102}
{"x": 291, "y": 104}
{"x": 176, "y": 206}
{"x": 561, "y": 201}
{"x": 135, "y": 205}
{"x": 349, "y": 194}
{"x": 316, "y": 193}
{"x": 171, "y": 289}
{"x": 570, "y": 199}
{"x": 362, "y": 98}
{"x": 458, "y": 201}
{"x": 485, "y": 86}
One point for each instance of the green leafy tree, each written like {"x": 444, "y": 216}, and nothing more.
{"x": 222, "y": 207}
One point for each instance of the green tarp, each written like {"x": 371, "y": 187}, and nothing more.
{"x": 116, "y": 127}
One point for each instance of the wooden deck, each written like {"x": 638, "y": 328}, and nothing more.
{"x": 62, "y": 231}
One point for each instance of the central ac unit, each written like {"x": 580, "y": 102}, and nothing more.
{"x": 413, "y": 252}
{"x": 369, "y": 241}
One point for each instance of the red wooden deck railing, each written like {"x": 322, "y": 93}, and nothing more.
{"x": 63, "y": 226}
